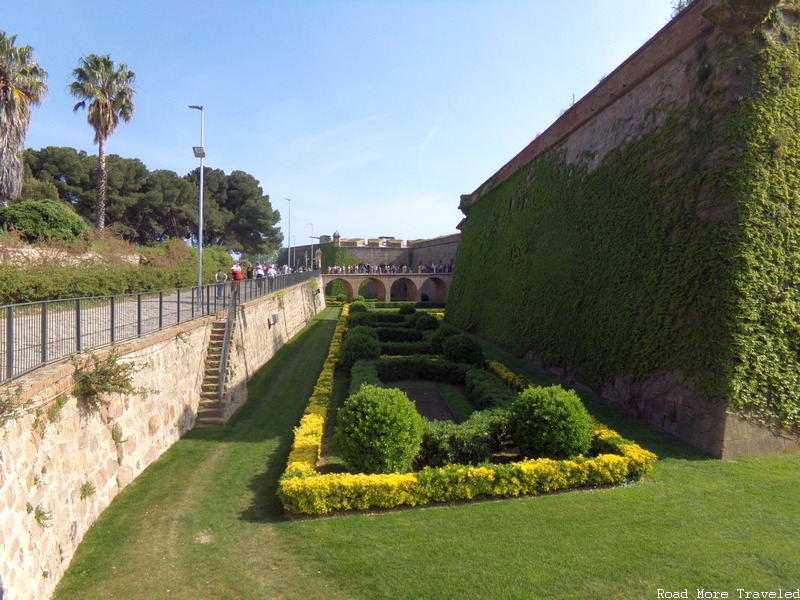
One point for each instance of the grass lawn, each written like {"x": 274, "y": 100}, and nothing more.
{"x": 203, "y": 522}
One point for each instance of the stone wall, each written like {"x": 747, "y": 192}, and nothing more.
{"x": 625, "y": 105}
{"x": 59, "y": 469}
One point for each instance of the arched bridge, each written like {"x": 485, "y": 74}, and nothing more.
{"x": 409, "y": 286}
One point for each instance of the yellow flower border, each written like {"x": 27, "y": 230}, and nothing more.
{"x": 303, "y": 490}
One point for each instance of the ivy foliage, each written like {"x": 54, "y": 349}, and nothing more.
{"x": 678, "y": 252}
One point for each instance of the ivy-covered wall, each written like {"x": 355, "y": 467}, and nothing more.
{"x": 675, "y": 251}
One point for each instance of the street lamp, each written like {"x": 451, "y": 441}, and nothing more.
{"x": 312, "y": 246}
{"x": 289, "y": 235}
{"x": 200, "y": 153}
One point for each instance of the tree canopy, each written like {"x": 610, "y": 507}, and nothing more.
{"x": 147, "y": 207}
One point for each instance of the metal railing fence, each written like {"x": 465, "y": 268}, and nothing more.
{"x": 33, "y": 334}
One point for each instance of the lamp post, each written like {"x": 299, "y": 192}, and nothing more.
{"x": 200, "y": 153}
{"x": 312, "y": 246}
{"x": 289, "y": 235}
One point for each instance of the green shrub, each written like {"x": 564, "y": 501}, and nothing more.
{"x": 340, "y": 298}
{"x": 485, "y": 390}
{"x": 462, "y": 348}
{"x": 363, "y": 330}
{"x": 359, "y": 298}
{"x": 426, "y": 322}
{"x": 406, "y": 308}
{"x": 358, "y": 307}
{"x": 378, "y": 431}
{"x": 421, "y": 367}
{"x": 357, "y": 347}
{"x": 405, "y": 348}
{"x": 550, "y": 422}
{"x": 399, "y": 334}
{"x": 471, "y": 442}
{"x": 436, "y": 449}
{"x": 44, "y": 220}
{"x": 363, "y": 371}
{"x": 440, "y": 335}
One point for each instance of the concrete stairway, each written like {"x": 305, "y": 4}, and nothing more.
{"x": 210, "y": 411}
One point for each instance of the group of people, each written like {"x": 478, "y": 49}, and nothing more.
{"x": 259, "y": 271}
{"x": 367, "y": 269}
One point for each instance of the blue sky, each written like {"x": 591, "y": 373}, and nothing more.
{"x": 372, "y": 116}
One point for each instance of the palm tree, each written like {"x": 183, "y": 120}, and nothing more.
{"x": 108, "y": 90}
{"x": 22, "y": 84}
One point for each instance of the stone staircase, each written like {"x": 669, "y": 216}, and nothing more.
{"x": 210, "y": 411}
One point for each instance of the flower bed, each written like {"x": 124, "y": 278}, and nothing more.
{"x": 303, "y": 490}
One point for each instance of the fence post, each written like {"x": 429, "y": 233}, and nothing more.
{"x": 179, "y": 305}
{"x": 160, "y": 310}
{"x": 113, "y": 318}
{"x": 78, "y": 342}
{"x": 44, "y": 332}
{"x": 138, "y": 315}
{"x": 10, "y": 342}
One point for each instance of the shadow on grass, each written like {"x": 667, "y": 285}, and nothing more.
{"x": 278, "y": 394}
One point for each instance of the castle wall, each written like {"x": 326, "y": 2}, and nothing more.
{"x": 659, "y": 80}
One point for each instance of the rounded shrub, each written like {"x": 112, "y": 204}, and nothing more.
{"x": 340, "y": 298}
{"x": 439, "y": 336}
{"x": 358, "y": 307}
{"x": 359, "y": 298}
{"x": 357, "y": 347}
{"x": 378, "y": 431}
{"x": 43, "y": 220}
{"x": 550, "y": 422}
{"x": 426, "y": 322}
{"x": 463, "y": 349}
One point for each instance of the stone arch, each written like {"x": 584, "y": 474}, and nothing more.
{"x": 380, "y": 288}
{"x": 435, "y": 288}
{"x": 404, "y": 284}
{"x": 348, "y": 287}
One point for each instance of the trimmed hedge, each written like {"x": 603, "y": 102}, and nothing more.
{"x": 303, "y": 490}
{"x": 485, "y": 390}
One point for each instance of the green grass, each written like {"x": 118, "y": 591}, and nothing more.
{"x": 203, "y": 522}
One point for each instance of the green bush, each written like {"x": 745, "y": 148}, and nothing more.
{"x": 378, "y": 431}
{"x": 340, "y": 298}
{"x": 363, "y": 330}
{"x": 485, "y": 390}
{"x": 404, "y": 348}
{"x": 358, "y": 307}
{"x": 440, "y": 335}
{"x": 359, "y": 298}
{"x": 436, "y": 449}
{"x": 363, "y": 371}
{"x": 462, "y": 348}
{"x": 357, "y": 347}
{"x": 471, "y": 442}
{"x": 399, "y": 334}
{"x": 550, "y": 422}
{"x": 39, "y": 220}
{"x": 406, "y": 308}
{"x": 426, "y": 322}
{"x": 421, "y": 367}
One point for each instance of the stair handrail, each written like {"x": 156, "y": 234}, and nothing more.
{"x": 226, "y": 341}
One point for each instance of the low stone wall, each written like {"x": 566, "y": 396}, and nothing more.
{"x": 59, "y": 469}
